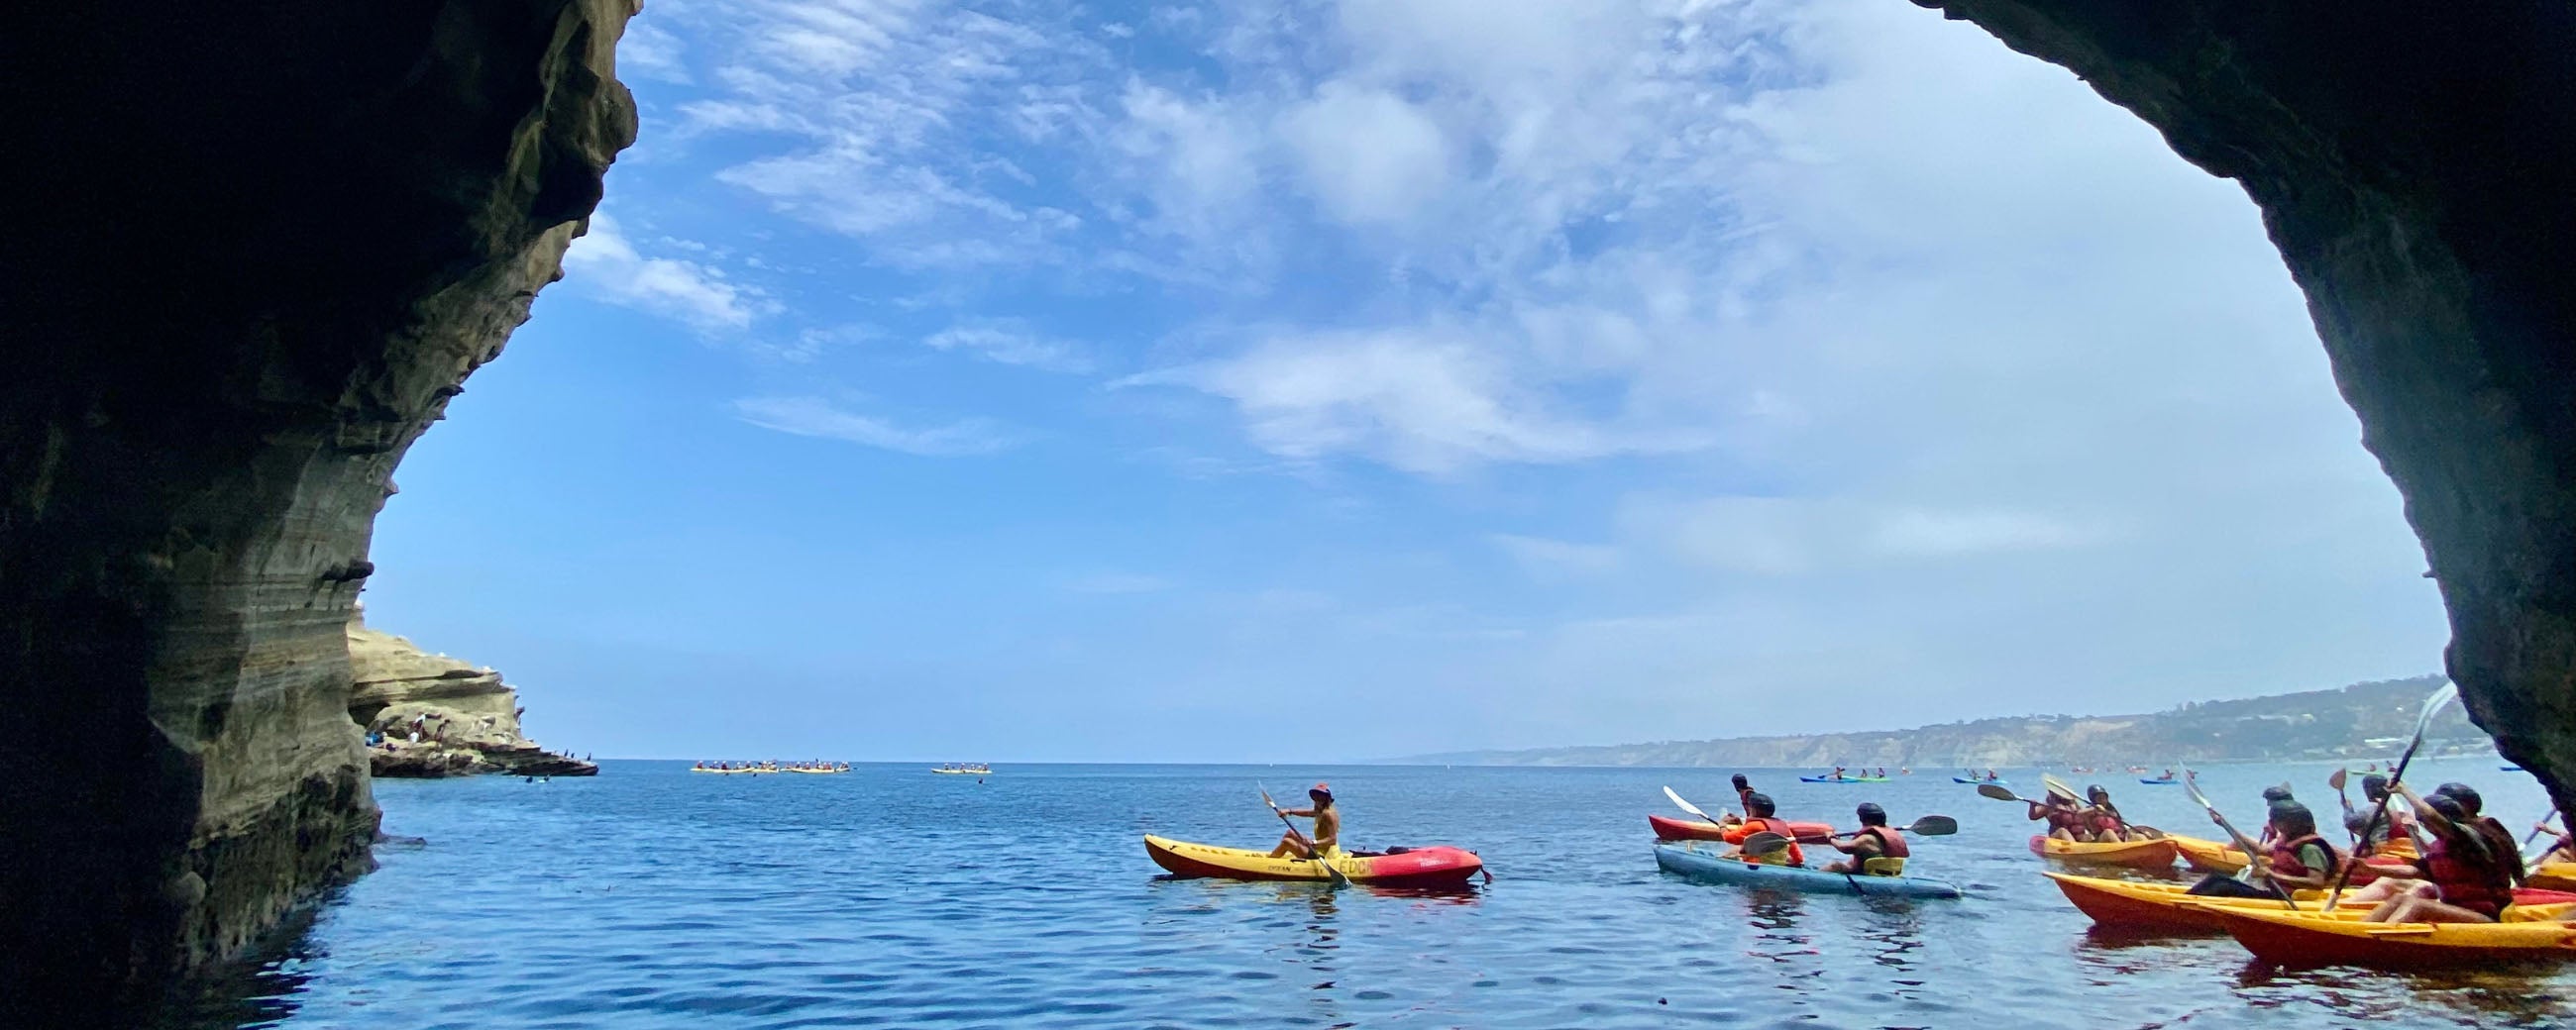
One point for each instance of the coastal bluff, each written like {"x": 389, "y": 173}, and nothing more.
{"x": 2361, "y": 721}
{"x": 465, "y": 716}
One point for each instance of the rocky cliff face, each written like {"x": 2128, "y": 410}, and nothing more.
{"x": 2412, "y": 163}
{"x": 255, "y": 251}
{"x": 466, "y": 718}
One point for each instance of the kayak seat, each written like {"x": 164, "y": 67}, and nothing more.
{"x": 1883, "y": 867}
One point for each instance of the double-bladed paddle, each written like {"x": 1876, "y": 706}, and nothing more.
{"x": 1338, "y": 879}
{"x": 1691, "y": 808}
{"x": 2439, "y": 700}
{"x": 2191, "y": 784}
{"x": 1768, "y": 843}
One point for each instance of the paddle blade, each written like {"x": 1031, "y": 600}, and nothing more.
{"x": 2336, "y": 779}
{"x": 2433, "y": 706}
{"x": 1934, "y": 826}
{"x": 1997, "y": 791}
{"x": 1765, "y": 843}
{"x": 1687, "y": 806}
{"x": 2059, "y": 787}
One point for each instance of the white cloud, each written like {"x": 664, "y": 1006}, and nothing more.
{"x": 1009, "y": 343}
{"x": 1790, "y": 536}
{"x": 1420, "y": 402}
{"x": 814, "y": 416}
{"x": 1371, "y": 156}
{"x": 605, "y": 264}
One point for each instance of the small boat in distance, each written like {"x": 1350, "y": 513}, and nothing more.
{"x": 956, "y": 769}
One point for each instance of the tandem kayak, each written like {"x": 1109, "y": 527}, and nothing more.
{"x": 2171, "y": 907}
{"x": 2136, "y": 854}
{"x": 2211, "y": 856}
{"x": 2159, "y": 782}
{"x": 1415, "y": 867}
{"x": 1701, "y": 829}
{"x": 2295, "y": 940}
{"x": 1843, "y": 779}
{"x": 1963, "y": 779}
{"x": 1705, "y": 866}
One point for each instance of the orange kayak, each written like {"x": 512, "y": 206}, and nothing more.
{"x": 1702, "y": 829}
{"x": 2171, "y": 908}
{"x": 2136, "y": 854}
{"x": 2285, "y": 939}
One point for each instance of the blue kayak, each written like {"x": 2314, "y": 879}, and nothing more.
{"x": 1846, "y": 779}
{"x": 2158, "y": 783}
{"x": 1708, "y": 867}
{"x": 1963, "y": 779}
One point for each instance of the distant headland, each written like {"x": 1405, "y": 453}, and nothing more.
{"x": 2364, "y": 720}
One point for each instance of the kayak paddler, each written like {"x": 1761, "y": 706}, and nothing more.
{"x": 2299, "y": 858}
{"x": 2373, "y": 788}
{"x": 2065, "y": 817}
{"x": 1761, "y": 815}
{"x": 2498, "y": 839}
{"x": 1328, "y": 826}
{"x": 1875, "y": 849}
{"x": 2459, "y": 879}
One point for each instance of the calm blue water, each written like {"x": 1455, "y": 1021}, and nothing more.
{"x": 650, "y": 897}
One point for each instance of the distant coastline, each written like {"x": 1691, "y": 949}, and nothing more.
{"x": 2360, "y": 722}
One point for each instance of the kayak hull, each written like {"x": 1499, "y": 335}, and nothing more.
{"x": 2556, "y": 876}
{"x": 2172, "y": 908}
{"x": 2159, "y": 783}
{"x": 2296, "y": 941}
{"x": 1846, "y": 779}
{"x": 2153, "y": 855}
{"x": 1419, "y": 867}
{"x": 1703, "y": 866}
{"x": 1702, "y": 829}
{"x": 1963, "y": 779}
{"x": 2209, "y": 856}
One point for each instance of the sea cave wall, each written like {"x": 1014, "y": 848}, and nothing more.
{"x": 255, "y": 250}
{"x": 2416, "y": 165}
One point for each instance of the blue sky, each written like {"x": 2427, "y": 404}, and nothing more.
{"x": 1295, "y": 381}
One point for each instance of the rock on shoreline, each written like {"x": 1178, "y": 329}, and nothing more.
{"x": 465, "y": 717}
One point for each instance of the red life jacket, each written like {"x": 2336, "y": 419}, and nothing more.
{"x": 2061, "y": 817}
{"x": 2285, "y": 856}
{"x": 1891, "y": 844}
{"x": 2479, "y": 885}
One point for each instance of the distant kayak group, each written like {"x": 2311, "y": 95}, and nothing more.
{"x": 814, "y": 768}
{"x": 963, "y": 769}
{"x": 2425, "y": 881}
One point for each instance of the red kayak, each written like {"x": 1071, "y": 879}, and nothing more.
{"x": 1702, "y": 829}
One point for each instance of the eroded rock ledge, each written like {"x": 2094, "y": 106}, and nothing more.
{"x": 256, "y": 249}
{"x": 2416, "y": 164}
{"x": 431, "y": 715}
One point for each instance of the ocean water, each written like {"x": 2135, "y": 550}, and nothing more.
{"x": 651, "y": 897}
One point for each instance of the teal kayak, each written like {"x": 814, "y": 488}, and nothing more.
{"x": 1842, "y": 779}
{"x": 1707, "y": 866}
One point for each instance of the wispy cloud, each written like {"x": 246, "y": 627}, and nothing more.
{"x": 1009, "y": 343}
{"x": 606, "y": 265}
{"x": 814, "y": 416}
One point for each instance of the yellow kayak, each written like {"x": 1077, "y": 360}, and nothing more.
{"x": 2554, "y": 876}
{"x": 2209, "y": 856}
{"x": 2136, "y": 854}
{"x": 2285, "y": 939}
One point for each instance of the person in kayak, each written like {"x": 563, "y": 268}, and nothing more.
{"x": 2103, "y": 818}
{"x": 1762, "y": 815}
{"x": 1328, "y": 827}
{"x": 2498, "y": 839}
{"x": 2459, "y": 879}
{"x": 2299, "y": 858}
{"x": 2374, "y": 789}
{"x": 2271, "y": 796}
{"x": 1875, "y": 850}
{"x": 2065, "y": 817}
{"x": 2562, "y": 851}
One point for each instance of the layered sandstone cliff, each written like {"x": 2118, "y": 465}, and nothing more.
{"x": 429, "y": 715}
{"x": 256, "y": 250}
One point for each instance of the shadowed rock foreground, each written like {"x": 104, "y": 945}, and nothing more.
{"x": 258, "y": 247}
{"x": 255, "y": 250}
